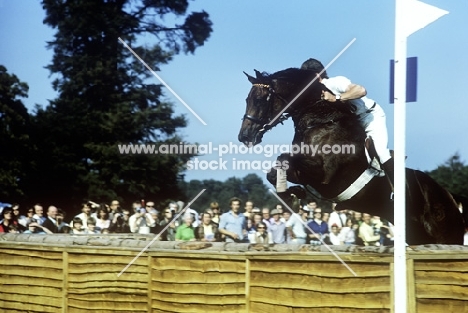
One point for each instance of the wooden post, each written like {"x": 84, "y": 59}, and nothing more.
{"x": 150, "y": 289}
{"x": 392, "y": 287}
{"x": 247, "y": 285}
{"x": 65, "y": 282}
{"x": 411, "y": 286}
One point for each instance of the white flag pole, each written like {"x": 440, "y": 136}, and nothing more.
{"x": 399, "y": 129}
{"x": 410, "y": 16}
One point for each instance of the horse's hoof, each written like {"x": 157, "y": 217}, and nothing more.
{"x": 298, "y": 191}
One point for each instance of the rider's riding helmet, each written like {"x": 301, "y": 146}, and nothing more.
{"x": 314, "y": 65}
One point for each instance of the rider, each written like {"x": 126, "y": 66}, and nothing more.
{"x": 370, "y": 114}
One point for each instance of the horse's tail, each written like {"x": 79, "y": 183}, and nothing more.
{"x": 464, "y": 203}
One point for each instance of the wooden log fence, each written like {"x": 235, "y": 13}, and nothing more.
{"x": 80, "y": 274}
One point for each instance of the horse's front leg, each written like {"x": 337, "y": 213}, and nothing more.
{"x": 285, "y": 163}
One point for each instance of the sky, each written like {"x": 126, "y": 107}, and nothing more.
{"x": 271, "y": 36}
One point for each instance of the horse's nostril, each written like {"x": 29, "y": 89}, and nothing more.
{"x": 243, "y": 138}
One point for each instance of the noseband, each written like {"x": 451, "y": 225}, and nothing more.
{"x": 266, "y": 122}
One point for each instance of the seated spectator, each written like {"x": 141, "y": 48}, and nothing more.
{"x": 285, "y": 218}
{"x": 114, "y": 208}
{"x": 386, "y": 234}
{"x": 233, "y": 223}
{"x": 310, "y": 206}
{"x": 251, "y": 230}
{"x": 8, "y": 219}
{"x": 60, "y": 220}
{"x": 140, "y": 222}
{"x": 39, "y": 213}
{"x": 357, "y": 216}
{"x": 51, "y": 222}
{"x": 305, "y": 215}
{"x": 318, "y": 226}
{"x": 279, "y": 207}
{"x": 325, "y": 216}
{"x": 92, "y": 229}
{"x": 277, "y": 228}
{"x": 22, "y": 220}
{"x": 102, "y": 219}
{"x": 207, "y": 230}
{"x": 169, "y": 232}
{"x": 262, "y": 235}
{"x": 120, "y": 223}
{"x": 216, "y": 212}
{"x": 295, "y": 229}
{"x": 257, "y": 218}
{"x": 155, "y": 215}
{"x": 334, "y": 236}
{"x": 36, "y": 228}
{"x": 248, "y": 207}
{"x": 28, "y": 219}
{"x": 337, "y": 217}
{"x": 266, "y": 217}
{"x": 195, "y": 217}
{"x": 155, "y": 228}
{"x": 14, "y": 229}
{"x": 66, "y": 229}
{"x": 185, "y": 232}
{"x": 348, "y": 233}
{"x": 151, "y": 206}
{"x": 367, "y": 232}
{"x": 78, "y": 226}
{"x": 84, "y": 215}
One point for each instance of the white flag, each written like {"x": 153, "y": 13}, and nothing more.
{"x": 418, "y": 15}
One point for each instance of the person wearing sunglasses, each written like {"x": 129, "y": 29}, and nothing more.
{"x": 263, "y": 236}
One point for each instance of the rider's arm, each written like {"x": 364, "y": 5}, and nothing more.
{"x": 353, "y": 92}
{"x": 342, "y": 86}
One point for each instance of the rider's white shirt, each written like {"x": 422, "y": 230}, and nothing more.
{"x": 339, "y": 85}
{"x": 373, "y": 121}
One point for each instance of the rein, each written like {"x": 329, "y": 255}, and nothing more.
{"x": 266, "y": 122}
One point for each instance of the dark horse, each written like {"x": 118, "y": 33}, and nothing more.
{"x": 432, "y": 215}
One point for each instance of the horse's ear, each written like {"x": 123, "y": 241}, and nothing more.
{"x": 258, "y": 74}
{"x": 251, "y": 79}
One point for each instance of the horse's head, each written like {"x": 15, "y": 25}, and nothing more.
{"x": 269, "y": 102}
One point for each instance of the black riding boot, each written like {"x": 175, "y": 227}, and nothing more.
{"x": 389, "y": 169}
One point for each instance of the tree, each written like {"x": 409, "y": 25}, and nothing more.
{"x": 14, "y": 139}
{"x": 452, "y": 175}
{"x": 104, "y": 100}
{"x": 251, "y": 187}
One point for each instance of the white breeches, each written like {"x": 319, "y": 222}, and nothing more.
{"x": 376, "y": 126}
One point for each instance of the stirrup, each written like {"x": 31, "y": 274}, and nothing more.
{"x": 392, "y": 196}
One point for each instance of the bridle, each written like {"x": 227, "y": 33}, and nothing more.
{"x": 266, "y": 122}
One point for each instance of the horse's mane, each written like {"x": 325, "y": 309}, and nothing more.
{"x": 312, "y": 104}
{"x": 292, "y": 75}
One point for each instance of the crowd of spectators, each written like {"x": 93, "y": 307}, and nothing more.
{"x": 247, "y": 224}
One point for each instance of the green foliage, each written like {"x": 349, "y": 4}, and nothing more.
{"x": 452, "y": 175}
{"x": 250, "y": 187}
{"x": 104, "y": 100}
{"x": 14, "y": 138}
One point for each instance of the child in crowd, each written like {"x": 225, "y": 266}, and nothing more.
{"x": 78, "y": 226}
{"x": 92, "y": 226}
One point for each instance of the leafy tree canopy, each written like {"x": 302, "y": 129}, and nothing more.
{"x": 104, "y": 99}
{"x": 452, "y": 175}
{"x": 251, "y": 187}
{"x": 14, "y": 138}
